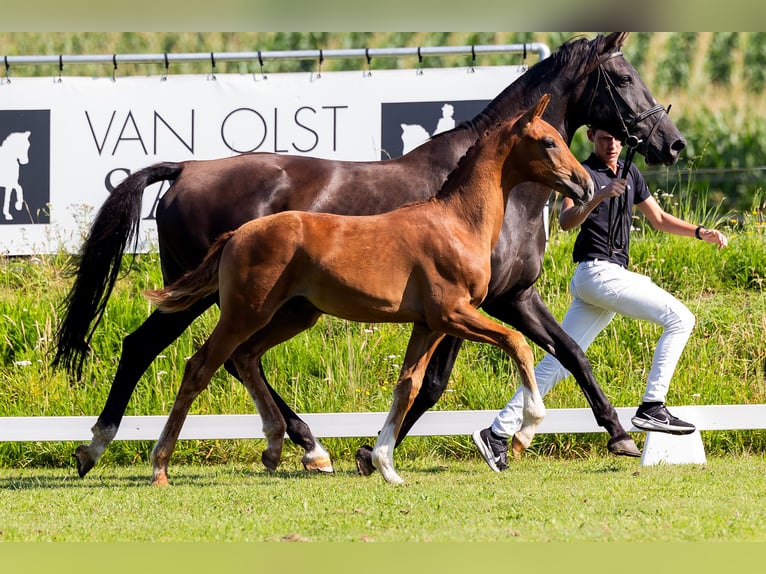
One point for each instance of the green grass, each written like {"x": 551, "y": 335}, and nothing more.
{"x": 537, "y": 500}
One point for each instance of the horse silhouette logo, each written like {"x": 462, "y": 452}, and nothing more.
{"x": 14, "y": 152}
{"x": 406, "y": 125}
{"x": 415, "y": 134}
{"x": 25, "y": 166}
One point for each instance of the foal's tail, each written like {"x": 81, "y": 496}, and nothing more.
{"x": 98, "y": 264}
{"x": 192, "y": 286}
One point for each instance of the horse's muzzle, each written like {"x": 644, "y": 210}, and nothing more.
{"x": 582, "y": 191}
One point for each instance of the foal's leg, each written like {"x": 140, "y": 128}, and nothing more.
{"x": 247, "y": 360}
{"x": 292, "y": 318}
{"x": 466, "y": 322}
{"x": 421, "y": 346}
{"x": 197, "y": 374}
{"x": 434, "y": 383}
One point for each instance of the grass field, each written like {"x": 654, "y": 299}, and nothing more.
{"x": 536, "y": 500}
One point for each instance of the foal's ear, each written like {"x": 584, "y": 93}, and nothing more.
{"x": 535, "y": 111}
{"x": 539, "y": 107}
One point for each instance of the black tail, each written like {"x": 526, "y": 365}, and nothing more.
{"x": 98, "y": 264}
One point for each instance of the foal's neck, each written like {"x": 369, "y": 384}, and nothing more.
{"x": 477, "y": 190}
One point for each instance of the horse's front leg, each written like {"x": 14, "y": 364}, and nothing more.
{"x": 421, "y": 346}
{"x": 19, "y": 197}
{"x": 7, "y": 203}
{"x": 527, "y": 312}
{"x": 466, "y": 322}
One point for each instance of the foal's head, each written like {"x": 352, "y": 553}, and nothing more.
{"x": 541, "y": 155}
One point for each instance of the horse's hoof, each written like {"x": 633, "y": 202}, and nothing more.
{"x": 623, "y": 447}
{"x": 269, "y": 462}
{"x": 84, "y": 461}
{"x": 364, "y": 460}
{"x": 314, "y": 463}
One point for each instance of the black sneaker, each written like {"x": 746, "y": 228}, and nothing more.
{"x": 655, "y": 417}
{"x": 493, "y": 448}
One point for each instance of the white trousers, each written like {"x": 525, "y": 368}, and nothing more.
{"x": 600, "y": 291}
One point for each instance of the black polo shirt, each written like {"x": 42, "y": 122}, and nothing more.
{"x": 593, "y": 241}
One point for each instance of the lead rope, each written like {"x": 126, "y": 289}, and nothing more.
{"x": 615, "y": 234}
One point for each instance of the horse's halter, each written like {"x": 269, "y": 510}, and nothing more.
{"x": 615, "y": 232}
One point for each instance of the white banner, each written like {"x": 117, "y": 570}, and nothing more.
{"x": 65, "y": 144}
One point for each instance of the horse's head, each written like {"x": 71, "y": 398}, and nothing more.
{"x": 16, "y": 145}
{"x": 541, "y": 155}
{"x": 614, "y": 97}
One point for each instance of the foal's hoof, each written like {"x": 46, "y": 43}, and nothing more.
{"x": 84, "y": 461}
{"x": 623, "y": 447}
{"x": 364, "y": 460}
{"x": 160, "y": 479}
{"x": 517, "y": 448}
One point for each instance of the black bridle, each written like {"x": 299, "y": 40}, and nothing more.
{"x": 630, "y": 141}
{"x": 615, "y": 233}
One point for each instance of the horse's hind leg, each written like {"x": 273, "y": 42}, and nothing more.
{"x": 139, "y": 349}
{"x": 247, "y": 359}
{"x": 295, "y": 316}
{"x": 421, "y": 346}
{"x": 435, "y": 382}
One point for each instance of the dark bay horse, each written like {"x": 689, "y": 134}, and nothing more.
{"x": 590, "y": 82}
{"x": 427, "y": 263}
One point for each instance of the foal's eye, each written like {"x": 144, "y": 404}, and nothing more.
{"x": 549, "y": 143}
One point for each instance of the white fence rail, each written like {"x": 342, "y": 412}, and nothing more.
{"x": 442, "y": 423}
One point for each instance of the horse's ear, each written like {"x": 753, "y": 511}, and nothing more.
{"x": 614, "y": 41}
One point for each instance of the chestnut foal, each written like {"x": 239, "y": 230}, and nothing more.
{"x": 427, "y": 263}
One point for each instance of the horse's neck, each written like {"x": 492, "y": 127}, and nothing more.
{"x": 546, "y": 77}
{"x": 549, "y": 76}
